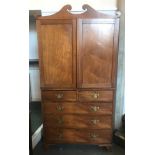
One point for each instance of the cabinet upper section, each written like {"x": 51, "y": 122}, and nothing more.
{"x": 78, "y": 50}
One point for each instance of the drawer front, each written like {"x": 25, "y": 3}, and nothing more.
{"x": 78, "y": 136}
{"x": 95, "y": 96}
{"x": 77, "y": 108}
{"x": 76, "y": 121}
{"x": 59, "y": 95}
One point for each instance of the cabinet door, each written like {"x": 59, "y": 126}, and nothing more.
{"x": 96, "y": 49}
{"x": 57, "y": 51}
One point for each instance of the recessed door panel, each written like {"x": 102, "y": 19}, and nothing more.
{"x": 95, "y": 53}
{"x": 58, "y": 51}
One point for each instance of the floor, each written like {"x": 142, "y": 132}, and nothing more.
{"x": 36, "y": 118}
{"x": 74, "y": 149}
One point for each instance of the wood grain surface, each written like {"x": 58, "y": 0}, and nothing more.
{"x": 79, "y": 136}
{"x": 78, "y": 108}
{"x": 78, "y": 70}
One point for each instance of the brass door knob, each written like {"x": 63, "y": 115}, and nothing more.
{"x": 95, "y": 95}
{"x": 94, "y": 108}
{"x": 59, "y": 96}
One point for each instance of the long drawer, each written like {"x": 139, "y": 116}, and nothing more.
{"x": 59, "y": 96}
{"x": 78, "y": 136}
{"x": 88, "y": 96}
{"x": 77, "y": 108}
{"x": 78, "y": 121}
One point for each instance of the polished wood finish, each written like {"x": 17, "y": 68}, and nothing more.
{"x": 77, "y": 108}
{"x": 74, "y": 121}
{"x": 78, "y": 69}
{"x": 98, "y": 52}
{"x": 59, "y": 96}
{"x": 79, "y": 136}
{"x": 95, "y": 96}
{"x": 57, "y": 63}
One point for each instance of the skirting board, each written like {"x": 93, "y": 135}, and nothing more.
{"x": 36, "y": 137}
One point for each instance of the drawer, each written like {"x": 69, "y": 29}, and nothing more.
{"x": 78, "y": 136}
{"x": 95, "y": 96}
{"x": 59, "y": 95}
{"x": 77, "y": 108}
{"x": 78, "y": 121}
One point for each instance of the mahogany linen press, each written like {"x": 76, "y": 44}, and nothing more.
{"x": 78, "y": 68}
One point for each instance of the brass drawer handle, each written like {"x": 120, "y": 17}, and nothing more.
{"x": 60, "y": 121}
{"x": 94, "y": 108}
{"x": 59, "y": 108}
{"x": 59, "y": 96}
{"x": 93, "y": 136}
{"x": 95, "y": 95}
{"x": 95, "y": 121}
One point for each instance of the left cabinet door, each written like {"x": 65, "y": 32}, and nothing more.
{"x": 57, "y": 53}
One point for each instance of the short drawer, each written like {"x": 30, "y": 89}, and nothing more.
{"x": 59, "y": 95}
{"x": 78, "y": 136}
{"x": 77, "y": 108}
{"x": 95, "y": 96}
{"x": 78, "y": 121}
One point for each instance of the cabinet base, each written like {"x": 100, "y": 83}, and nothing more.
{"x": 45, "y": 146}
{"x": 106, "y": 147}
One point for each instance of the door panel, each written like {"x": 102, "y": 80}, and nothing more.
{"x": 95, "y": 53}
{"x": 58, "y": 51}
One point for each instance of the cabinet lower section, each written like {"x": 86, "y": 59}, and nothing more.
{"x": 78, "y": 117}
{"x": 53, "y": 136}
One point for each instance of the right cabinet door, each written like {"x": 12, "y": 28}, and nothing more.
{"x": 96, "y": 52}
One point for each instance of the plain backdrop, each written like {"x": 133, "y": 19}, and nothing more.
{"x": 139, "y": 77}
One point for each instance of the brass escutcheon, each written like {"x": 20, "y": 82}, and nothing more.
{"x": 59, "y": 96}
